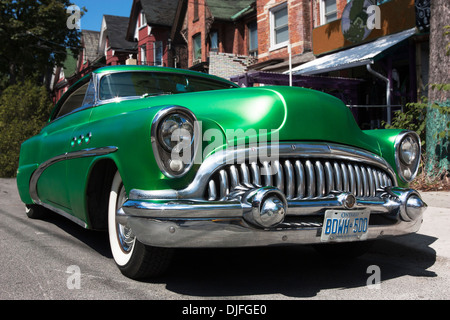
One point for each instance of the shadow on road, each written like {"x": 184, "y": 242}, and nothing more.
{"x": 290, "y": 271}
{"x": 297, "y": 271}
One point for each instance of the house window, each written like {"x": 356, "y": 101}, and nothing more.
{"x": 142, "y": 19}
{"x": 84, "y": 56}
{"x": 252, "y": 38}
{"x": 328, "y": 11}
{"x": 144, "y": 54}
{"x": 195, "y": 10}
{"x": 197, "y": 56}
{"x": 214, "y": 38}
{"x": 279, "y": 29}
{"x": 158, "y": 53}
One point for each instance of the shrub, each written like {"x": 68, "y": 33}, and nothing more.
{"x": 24, "y": 109}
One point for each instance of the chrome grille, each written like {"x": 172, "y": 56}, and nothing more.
{"x": 300, "y": 178}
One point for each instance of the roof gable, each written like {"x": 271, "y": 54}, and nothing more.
{"x": 90, "y": 41}
{"x": 160, "y": 13}
{"x": 116, "y": 31}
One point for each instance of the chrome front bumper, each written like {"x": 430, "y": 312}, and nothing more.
{"x": 250, "y": 220}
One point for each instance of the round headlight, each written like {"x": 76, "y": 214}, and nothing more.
{"x": 175, "y": 139}
{"x": 175, "y": 130}
{"x": 407, "y": 155}
{"x": 409, "y": 150}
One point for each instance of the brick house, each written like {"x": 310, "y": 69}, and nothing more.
{"x": 149, "y": 27}
{"x": 282, "y": 23}
{"x": 217, "y": 34}
{"x": 391, "y": 59}
{"x": 113, "y": 43}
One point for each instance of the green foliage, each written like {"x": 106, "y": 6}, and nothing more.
{"x": 412, "y": 117}
{"x": 446, "y": 33}
{"x": 34, "y": 37}
{"x": 24, "y": 109}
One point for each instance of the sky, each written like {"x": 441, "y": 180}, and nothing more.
{"x": 92, "y": 20}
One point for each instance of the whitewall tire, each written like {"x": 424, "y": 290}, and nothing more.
{"x": 134, "y": 259}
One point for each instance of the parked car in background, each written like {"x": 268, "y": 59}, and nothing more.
{"x": 167, "y": 158}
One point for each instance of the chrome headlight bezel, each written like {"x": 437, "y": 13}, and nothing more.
{"x": 407, "y": 155}
{"x": 182, "y": 118}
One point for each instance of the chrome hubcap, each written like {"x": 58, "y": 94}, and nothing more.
{"x": 125, "y": 235}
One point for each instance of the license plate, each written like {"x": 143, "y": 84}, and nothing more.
{"x": 342, "y": 225}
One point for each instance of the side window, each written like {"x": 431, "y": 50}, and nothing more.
{"x": 73, "y": 102}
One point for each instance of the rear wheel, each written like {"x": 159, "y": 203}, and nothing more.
{"x": 134, "y": 259}
{"x": 35, "y": 211}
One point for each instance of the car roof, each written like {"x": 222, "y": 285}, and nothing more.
{"x": 123, "y": 68}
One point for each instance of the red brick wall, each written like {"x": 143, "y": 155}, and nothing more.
{"x": 232, "y": 36}
{"x": 300, "y": 22}
{"x": 340, "y": 4}
{"x": 156, "y": 34}
{"x": 194, "y": 27}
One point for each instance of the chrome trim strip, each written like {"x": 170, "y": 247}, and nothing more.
{"x": 311, "y": 178}
{"x": 182, "y": 209}
{"x": 320, "y": 179}
{"x": 289, "y": 177}
{"x": 256, "y": 174}
{"x": 300, "y": 175}
{"x": 224, "y": 189}
{"x": 65, "y": 215}
{"x": 93, "y": 152}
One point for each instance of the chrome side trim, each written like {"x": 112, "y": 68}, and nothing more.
{"x": 65, "y": 215}
{"x": 93, "y": 152}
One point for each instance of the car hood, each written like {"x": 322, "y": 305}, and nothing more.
{"x": 295, "y": 114}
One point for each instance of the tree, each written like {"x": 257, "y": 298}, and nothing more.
{"x": 24, "y": 109}
{"x": 438, "y": 144}
{"x": 34, "y": 37}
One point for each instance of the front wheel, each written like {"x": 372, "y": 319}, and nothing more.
{"x": 134, "y": 259}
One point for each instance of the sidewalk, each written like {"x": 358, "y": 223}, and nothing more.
{"x": 436, "y": 224}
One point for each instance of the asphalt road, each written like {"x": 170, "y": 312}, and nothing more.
{"x": 55, "y": 259}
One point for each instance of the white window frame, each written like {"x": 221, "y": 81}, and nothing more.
{"x": 142, "y": 20}
{"x": 84, "y": 55}
{"x": 143, "y": 57}
{"x": 272, "y": 11}
{"x": 323, "y": 14}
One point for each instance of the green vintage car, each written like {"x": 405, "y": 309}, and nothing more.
{"x": 167, "y": 158}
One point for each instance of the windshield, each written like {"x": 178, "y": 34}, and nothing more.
{"x": 143, "y": 84}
